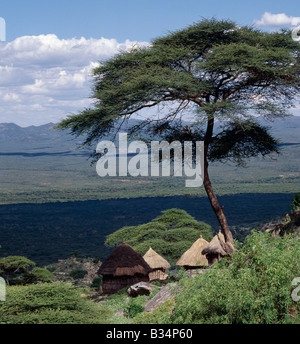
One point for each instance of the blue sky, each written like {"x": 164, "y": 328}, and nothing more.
{"x": 140, "y": 20}
{"x": 52, "y": 45}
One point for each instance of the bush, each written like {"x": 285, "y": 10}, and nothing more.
{"x": 296, "y": 202}
{"x": 50, "y": 303}
{"x": 78, "y": 273}
{"x": 41, "y": 275}
{"x": 254, "y": 286}
{"x": 96, "y": 283}
{"x": 134, "y": 307}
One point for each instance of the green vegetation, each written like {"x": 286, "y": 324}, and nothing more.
{"x": 214, "y": 70}
{"x": 296, "y": 202}
{"x": 254, "y": 286}
{"x": 78, "y": 273}
{"x": 49, "y": 303}
{"x": 48, "y": 232}
{"x": 40, "y": 275}
{"x": 170, "y": 234}
{"x": 217, "y": 69}
{"x": 81, "y": 272}
{"x": 134, "y": 307}
{"x": 53, "y": 177}
{"x": 12, "y": 267}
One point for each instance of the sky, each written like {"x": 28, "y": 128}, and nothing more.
{"x": 49, "y": 47}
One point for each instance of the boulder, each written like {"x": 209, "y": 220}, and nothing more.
{"x": 141, "y": 288}
{"x": 166, "y": 293}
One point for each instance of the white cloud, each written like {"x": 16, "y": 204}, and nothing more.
{"x": 280, "y": 19}
{"x": 44, "y": 78}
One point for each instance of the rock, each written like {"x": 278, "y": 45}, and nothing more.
{"x": 141, "y": 288}
{"x": 119, "y": 313}
{"x": 194, "y": 272}
{"x": 166, "y": 293}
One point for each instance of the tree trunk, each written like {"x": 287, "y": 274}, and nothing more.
{"x": 210, "y": 192}
{"x": 216, "y": 206}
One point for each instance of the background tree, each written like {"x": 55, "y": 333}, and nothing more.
{"x": 13, "y": 265}
{"x": 296, "y": 202}
{"x": 38, "y": 274}
{"x": 211, "y": 71}
{"x": 170, "y": 234}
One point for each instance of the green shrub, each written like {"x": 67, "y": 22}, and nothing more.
{"x": 49, "y": 303}
{"x": 134, "y": 307}
{"x": 78, "y": 273}
{"x": 296, "y": 202}
{"x": 41, "y": 275}
{"x": 96, "y": 283}
{"x": 254, "y": 286}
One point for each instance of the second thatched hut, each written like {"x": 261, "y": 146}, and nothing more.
{"x": 193, "y": 258}
{"x": 158, "y": 265}
{"x": 122, "y": 268}
{"x": 215, "y": 250}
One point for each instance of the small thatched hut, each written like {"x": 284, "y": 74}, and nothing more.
{"x": 215, "y": 250}
{"x": 193, "y": 258}
{"x": 158, "y": 264}
{"x": 123, "y": 267}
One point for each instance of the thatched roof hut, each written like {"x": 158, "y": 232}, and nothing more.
{"x": 215, "y": 250}
{"x": 123, "y": 267}
{"x": 158, "y": 264}
{"x": 193, "y": 258}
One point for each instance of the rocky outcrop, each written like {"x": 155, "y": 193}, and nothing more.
{"x": 290, "y": 224}
{"x": 166, "y": 293}
{"x": 141, "y": 288}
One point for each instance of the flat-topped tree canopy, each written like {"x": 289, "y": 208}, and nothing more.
{"x": 220, "y": 69}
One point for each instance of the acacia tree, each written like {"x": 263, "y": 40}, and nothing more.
{"x": 14, "y": 264}
{"x": 212, "y": 71}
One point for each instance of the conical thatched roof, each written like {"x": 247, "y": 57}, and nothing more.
{"x": 193, "y": 256}
{"x": 124, "y": 261}
{"x": 216, "y": 246}
{"x": 155, "y": 261}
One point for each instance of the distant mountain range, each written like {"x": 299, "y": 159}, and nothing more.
{"x": 12, "y": 133}
{"x": 45, "y": 136}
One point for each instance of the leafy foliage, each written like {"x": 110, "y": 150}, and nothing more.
{"x": 214, "y": 69}
{"x": 40, "y": 275}
{"x": 78, "y": 273}
{"x": 253, "y": 287}
{"x": 169, "y": 234}
{"x": 296, "y": 202}
{"x": 14, "y": 265}
{"x": 134, "y": 306}
{"x": 96, "y": 283}
{"x": 50, "y": 303}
